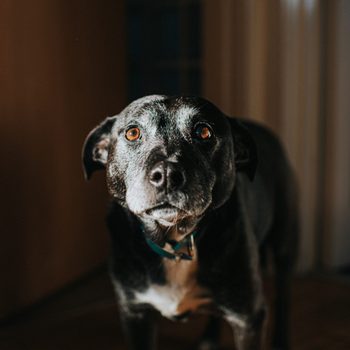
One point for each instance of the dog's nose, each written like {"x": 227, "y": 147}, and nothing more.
{"x": 167, "y": 175}
{"x": 157, "y": 175}
{"x": 175, "y": 176}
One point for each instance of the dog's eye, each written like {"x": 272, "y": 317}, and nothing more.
{"x": 202, "y": 132}
{"x": 133, "y": 134}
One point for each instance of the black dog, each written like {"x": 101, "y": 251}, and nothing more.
{"x": 197, "y": 198}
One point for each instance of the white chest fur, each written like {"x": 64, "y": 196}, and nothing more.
{"x": 180, "y": 294}
{"x": 165, "y": 299}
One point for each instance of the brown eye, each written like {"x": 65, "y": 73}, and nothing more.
{"x": 133, "y": 134}
{"x": 203, "y": 132}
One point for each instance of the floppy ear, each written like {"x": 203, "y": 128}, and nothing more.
{"x": 96, "y": 146}
{"x": 245, "y": 150}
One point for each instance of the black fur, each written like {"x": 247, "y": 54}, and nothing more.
{"x": 236, "y": 189}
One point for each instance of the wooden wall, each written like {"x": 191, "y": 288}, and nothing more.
{"x": 273, "y": 61}
{"x": 61, "y": 71}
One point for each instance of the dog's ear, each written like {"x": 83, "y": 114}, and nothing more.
{"x": 96, "y": 146}
{"x": 245, "y": 150}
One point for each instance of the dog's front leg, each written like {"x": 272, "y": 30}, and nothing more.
{"x": 248, "y": 334}
{"x": 139, "y": 329}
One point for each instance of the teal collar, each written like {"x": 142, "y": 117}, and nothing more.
{"x": 188, "y": 240}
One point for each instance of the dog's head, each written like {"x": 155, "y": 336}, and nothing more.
{"x": 170, "y": 159}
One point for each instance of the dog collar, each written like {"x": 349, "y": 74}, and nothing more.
{"x": 188, "y": 240}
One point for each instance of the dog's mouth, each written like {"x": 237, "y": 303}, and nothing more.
{"x": 166, "y": 214}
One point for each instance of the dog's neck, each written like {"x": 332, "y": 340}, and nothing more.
{"x": 175, "y": 242}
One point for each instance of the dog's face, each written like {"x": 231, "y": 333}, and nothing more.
{"x": 167, "y": 159}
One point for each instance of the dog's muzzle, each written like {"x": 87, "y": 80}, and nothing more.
{"x": 166, "y": 214}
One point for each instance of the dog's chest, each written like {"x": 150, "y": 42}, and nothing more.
{"x": 181, "y": 294}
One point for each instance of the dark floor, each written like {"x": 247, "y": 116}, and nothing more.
{"x": 85, "y": 317}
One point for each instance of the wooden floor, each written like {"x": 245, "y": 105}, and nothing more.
{"x": 85, "y": 317}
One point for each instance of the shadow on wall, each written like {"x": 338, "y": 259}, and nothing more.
{"x": 62, "y": 71}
